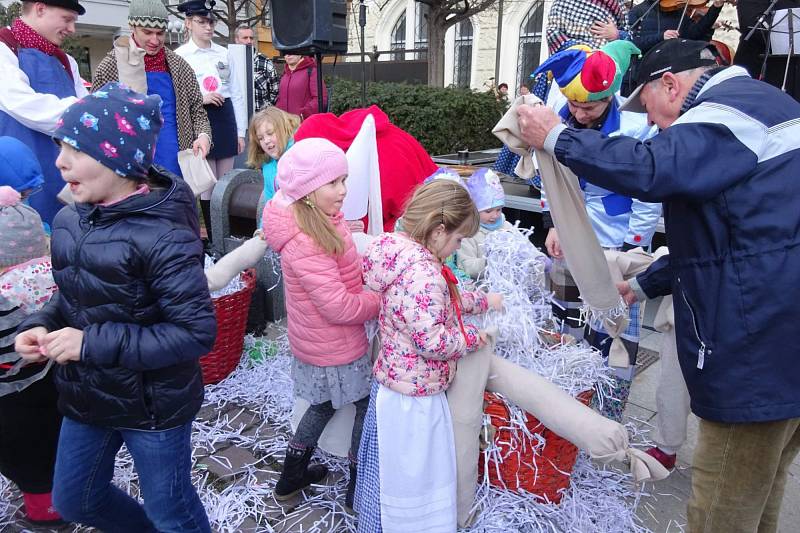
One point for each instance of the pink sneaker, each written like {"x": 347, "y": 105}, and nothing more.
{"x": 668, "y": 460}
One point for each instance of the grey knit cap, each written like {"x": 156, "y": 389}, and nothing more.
{"x": 21, "y": 230}
{"x": 148, "y": 14}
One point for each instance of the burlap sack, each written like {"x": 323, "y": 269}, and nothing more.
{"x": 603, "y": 439}
{"x": 465, "y": 399}
{"x": 196, "y": 172}
{"x": 130, "y": 64}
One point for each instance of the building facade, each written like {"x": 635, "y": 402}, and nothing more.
{"x": 470, "y": 46}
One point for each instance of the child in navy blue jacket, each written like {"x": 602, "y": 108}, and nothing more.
{"x": 129, "y": 323}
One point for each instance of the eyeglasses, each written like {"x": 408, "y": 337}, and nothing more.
{"x": 203, "y": 22}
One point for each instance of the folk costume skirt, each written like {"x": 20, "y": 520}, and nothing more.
{"x": 406, "y": 465}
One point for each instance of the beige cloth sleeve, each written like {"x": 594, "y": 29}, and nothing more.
{"x": 507, "y": 130}
{"x": 624, "y": 266}
{"x": 245, "y": 256}
{"x": 582, "y": 251}
{"x": 465, "y": 399}
{"x": 130, "y": 64}
{"x": 603, "y": 439}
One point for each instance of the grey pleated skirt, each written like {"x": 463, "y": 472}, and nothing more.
{"x": 340, "y": 385}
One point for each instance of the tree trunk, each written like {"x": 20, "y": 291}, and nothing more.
{"x": 436, "y": 33}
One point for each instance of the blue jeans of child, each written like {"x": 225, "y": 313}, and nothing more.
{"x": 83, "y": 492}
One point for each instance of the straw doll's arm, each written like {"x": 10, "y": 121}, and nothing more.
{"x": 245, "y": 256}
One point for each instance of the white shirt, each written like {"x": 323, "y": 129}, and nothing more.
{"x": 214, "y": 71}
{"x": 37, "y": 111}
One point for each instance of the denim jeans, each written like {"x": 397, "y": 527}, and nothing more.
{"x": 83, "y": 492}
{"x": 739, "y": 475}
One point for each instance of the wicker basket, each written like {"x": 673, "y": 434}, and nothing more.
{"x": 541, "y": 472}
{"x": 231, "y": 311}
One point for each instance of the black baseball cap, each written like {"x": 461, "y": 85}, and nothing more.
{"x": 670, "y": 55}
{"x": 72, "y": 5}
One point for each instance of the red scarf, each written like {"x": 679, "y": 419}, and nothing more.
{"x": 452, "y": 282}
{"x": 27, "y": 37}
{"x": 155, "y": 63}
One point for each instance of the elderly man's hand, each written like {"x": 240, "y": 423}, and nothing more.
{"x": 535, "y": 122}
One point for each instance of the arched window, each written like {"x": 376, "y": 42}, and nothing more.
{"x": 462, "y": 54}
{"x": 530, "y": 42}
{"x": 398, "y": 41}
{"x": 421, "y": 31}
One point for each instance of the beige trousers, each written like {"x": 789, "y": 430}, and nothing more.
{"x": 739, "y": 475}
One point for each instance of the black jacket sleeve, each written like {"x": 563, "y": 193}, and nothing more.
{"x": 703, "y": 29}
{"x": 657, "y": 279}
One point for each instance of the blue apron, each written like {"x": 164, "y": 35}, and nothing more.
{"x": 166, "y": 155}
{"x": 47, "y": 76}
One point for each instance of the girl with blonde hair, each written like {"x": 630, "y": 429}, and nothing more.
{"x": 325, "y": 303}
{"x": 407, "y": 467}
{"x": 270, "y": 134}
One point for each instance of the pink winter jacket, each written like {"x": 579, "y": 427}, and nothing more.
{"x": 421, "y": 339}
{"x": 326, "y": 305}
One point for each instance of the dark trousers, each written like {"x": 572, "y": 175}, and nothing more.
{"x": 317, "y": 417}
{"x": 29, "y": 428}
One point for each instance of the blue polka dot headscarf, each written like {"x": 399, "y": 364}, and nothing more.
{"x": 116, "y": 126}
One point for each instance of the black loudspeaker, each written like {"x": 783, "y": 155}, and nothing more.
{"x": 309, "y": 27}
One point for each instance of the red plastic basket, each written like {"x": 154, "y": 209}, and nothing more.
{"x": 542, "y": 472}
{"x": 231, "y": 311}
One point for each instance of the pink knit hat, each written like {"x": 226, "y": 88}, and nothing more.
{"x": 308, "y": 165}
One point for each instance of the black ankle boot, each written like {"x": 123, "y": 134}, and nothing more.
{"x": 296, "y": 474}
{"x": 351, "y": 490}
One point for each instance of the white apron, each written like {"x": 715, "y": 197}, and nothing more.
{"x": 417, "y": 463}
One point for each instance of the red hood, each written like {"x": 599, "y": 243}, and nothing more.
{"x": 306, "y": 62}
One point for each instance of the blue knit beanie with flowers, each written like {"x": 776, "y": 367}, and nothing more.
{"x": 116, "y": 126}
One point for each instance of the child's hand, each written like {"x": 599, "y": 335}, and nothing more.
{"x": 64, "y": 345}
{"x": 29, "y": 344}
{"x": 495, "y": 301}
{"x": 355, "y": 226}
{"x": 483, "y": 338}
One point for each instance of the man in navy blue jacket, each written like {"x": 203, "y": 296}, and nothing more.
{"x": 726, "y": 166}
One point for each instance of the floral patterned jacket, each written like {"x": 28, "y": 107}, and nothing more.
{"x": 421, "y": 339}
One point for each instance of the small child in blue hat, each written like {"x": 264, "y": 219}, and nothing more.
{"x": 19, "y": 168}
{"x": 129, "y": 323}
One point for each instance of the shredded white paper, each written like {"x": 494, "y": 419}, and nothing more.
{"x": 251, "y": 410}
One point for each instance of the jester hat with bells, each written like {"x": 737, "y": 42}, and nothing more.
{"x": 587, "y": 75}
